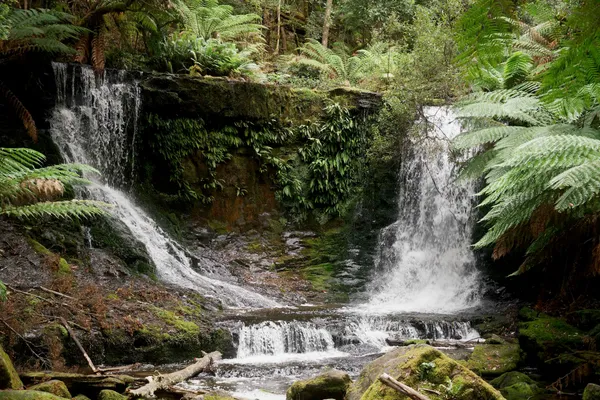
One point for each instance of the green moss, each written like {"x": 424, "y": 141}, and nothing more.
{"x": 330, "y": 385}
{"x": 446, "y": 377}
{"x": 112, "y": 296}
{"x": 494, "y": 359}
{"x": 110, "y": 395}
{"x": 545, "y": 337}
{"x": 219, "y": 227}
{"x": 56, "y": 329}
{"x": 81, "y": 397}
{"x": 39, "y": 248}
{"x": 9, "y": 379}
{"x": 64, "y": 268}
{"x": 591, "y": 392}
{"x": 27, "y": 395}
{"x": 182, "y": 326}
{"x": 54, "y": 386}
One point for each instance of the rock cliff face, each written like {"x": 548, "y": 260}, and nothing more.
{"x": 220, "y": 141}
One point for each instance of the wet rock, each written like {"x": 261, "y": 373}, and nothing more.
{"x": 110, "y": 395}
{"x": 56, "y": 387}
{"x": 9, "y": 378}
{"x": 330, "y": 385}
{"x": 591, "y": 392}
{"x": 544, "y": 338}
{"x": 421, "y": 366}
{"x": 494, "y": 358}
{"x": 516, "y": 386}
{"x": 27, "y": 395}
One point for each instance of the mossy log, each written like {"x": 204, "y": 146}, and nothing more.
{"x": 156, "y": 383}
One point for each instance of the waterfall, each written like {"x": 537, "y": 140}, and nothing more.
{"x": 280, "y": 338}
{"x": 95, "y": 122}
{"x": 277, "y": 338}
{"x": 425, "y": 261}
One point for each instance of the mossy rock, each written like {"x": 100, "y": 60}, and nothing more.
{"x": 27, "y": 395}
{"x": 510, "y": 378}
{"x": 494, "y": 359}
{"x": 54, "y": 386}
{"x": 421, "y": 367}
{"x": 591, "y": 392}
{"x": 545, "y": 337}
{"x": 330, "y": 385}
{"x": 110, "y": 395}
{"x": 516, "y": 386}
{"x": 9, "y": 378}
{"x": 81, "y": 397}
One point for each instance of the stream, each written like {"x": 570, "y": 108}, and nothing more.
{"x": 423, "y": 281}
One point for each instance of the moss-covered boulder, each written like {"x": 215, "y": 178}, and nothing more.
{"x": 81, "y": 397}
{"x": 591, "y": 392}
{"x": 54, "y": 386}
{"x": 9, "y": 378}
{"x": 516, "y": 386}
{"x": 544, "y": 338}
{"x": 111, "y": 395}
{"x": 27, "y": 395}
{"x": 421, "y": 367}
{"x": 330, "y": 385}
{"x": 495, "y": 357}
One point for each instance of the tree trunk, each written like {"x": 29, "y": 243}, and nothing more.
{"x": 327, "y": 23}
{"x": 165, "y": 381}
{"x": 278, "y": 26}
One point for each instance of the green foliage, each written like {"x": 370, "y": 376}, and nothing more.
{"x": 207, "y": 19}
{"x": 538, "y": 130}
{"x": 185, "y": 52}
{"x": 28, "y": 191}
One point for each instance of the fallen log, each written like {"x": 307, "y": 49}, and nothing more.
{"x": 85, "y": 354}
{"x": 401, "y": 387}
{"x": 159, "y": 382}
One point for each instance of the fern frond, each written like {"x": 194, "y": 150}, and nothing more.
{"x": 72, "y": 209}
{"x": 22, "y": 113}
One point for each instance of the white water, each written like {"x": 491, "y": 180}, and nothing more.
{"x": 95, "y": 122}
{"x": 425, "y": 261}
{"x": 277, "y": 338}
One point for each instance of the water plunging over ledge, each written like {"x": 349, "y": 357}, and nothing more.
{"x": 425, "y": 261}
{"x": 95, "y": 122}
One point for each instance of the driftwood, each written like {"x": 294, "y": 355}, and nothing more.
{"x": 401, "y": 387}
{"x": 162, "y": 382}
{"x": 435, "y": 343}
{"x": 72, "y": 334}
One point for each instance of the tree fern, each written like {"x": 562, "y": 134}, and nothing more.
{"x": 207, "y": 19}
{"x": 25, "y": 187}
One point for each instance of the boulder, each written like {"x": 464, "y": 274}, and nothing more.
{"x": 111, "y": 395}
{"x": 591, "y": 392}
{"x": 330, "y": 385}
{"x": 421, "y": 367}
{"x": 516, "y": 386}
{"x": 27, "y": 395}
{"x": 9, "y": 378}
{"x": 56, "y": 387}
{"x": 81, "y": 397}
{"x": 544, "y": 339}
{"x": 494, "y": 358}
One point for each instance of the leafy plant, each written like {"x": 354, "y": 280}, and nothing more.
{"x": 207, "y": 19}
{"x": 28, "y": 31}
{"x": 425, "y": 369}
{"x": 29, "y": 191}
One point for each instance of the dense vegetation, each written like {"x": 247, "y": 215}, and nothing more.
{"x": 528, "y": 74}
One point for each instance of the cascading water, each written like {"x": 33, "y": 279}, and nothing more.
{"x": 95, "y": 122}
{"x": 425, "y": 261}
{"x": 278, "y": 338}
